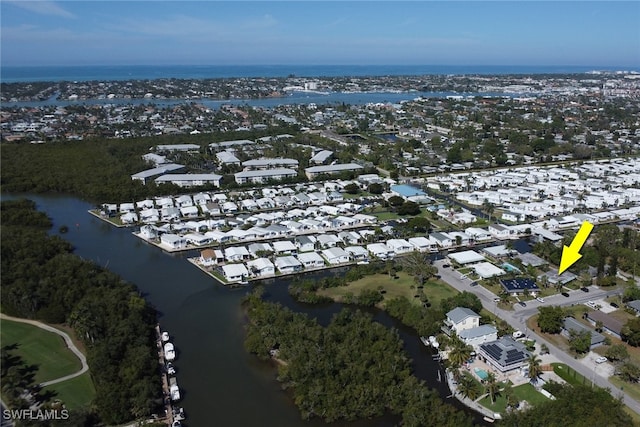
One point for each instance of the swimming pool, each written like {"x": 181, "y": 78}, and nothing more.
{"x": 511, "y": 268}
{"x": 481, "y": 373}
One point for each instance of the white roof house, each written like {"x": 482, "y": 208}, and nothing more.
{"x": 172, "y": 241}
{"x": 399, "y": 246}
{"x": 270, "y": 163}
{"x": 357, "y": 252}
{"x": 261, "y": 267}
{"x": 262, "y": 176}
{"x": 236, "y": 253}
{"x": 328, "y": 240}
{"x": 311, "y": 260}
{"x": 487, "y": 270}
{"x": 479, "y": 335}
{"x": 314, "y": 171}
{"x": 190, "y": 180}
{"x": 227, "y": 158}
{"x": 288, "y": 264}
{"x": 234, "y": 272}
{"x": 335, "y": 255}
{"x": 422, "y": 244}
{"x": 380, "y": 250}
{"x": 466, "y": 257}
{"x": 284, "y": 247}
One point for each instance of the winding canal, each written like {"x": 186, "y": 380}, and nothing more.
{"x": 220, "y": 381}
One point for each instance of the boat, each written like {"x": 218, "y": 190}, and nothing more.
{"x": 176, "y": 423}
{"x": 489, "y": 419}
{"x": 439, "y": 376}
{"x": 171, "y": 370}
{"x": 174, "y": 390}
{"x": 169, "y": 352}
{"x": 165, "y": 336}
{"x": 433, "y": 341}
{"x": 425, "y": 341}
{"x": 178, "y": 414}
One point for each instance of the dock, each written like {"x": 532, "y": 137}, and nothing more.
{"x": 168, "y": 406}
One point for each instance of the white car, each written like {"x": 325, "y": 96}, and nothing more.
{"x": 540, "y": 299}
{"x": 601, "y": 359}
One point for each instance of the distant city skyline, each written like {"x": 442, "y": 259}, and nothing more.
{"x": 589, "y": 33}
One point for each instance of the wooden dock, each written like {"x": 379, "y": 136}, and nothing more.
{"x": 166, "y": 395}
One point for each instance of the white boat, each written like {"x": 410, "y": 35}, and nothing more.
{"x": 174, "y": 391}
{"x": 169, "y": 352}
{"x": 425, "y": 341}
{"x": 165, "y": 336}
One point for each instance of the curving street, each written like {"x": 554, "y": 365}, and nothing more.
{"x": 517, "y": 319}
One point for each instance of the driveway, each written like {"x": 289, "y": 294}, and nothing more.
{"x": 519, "y": 316}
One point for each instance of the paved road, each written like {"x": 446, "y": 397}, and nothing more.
{"x": 67, "y": 340}
{"x": 517, "y": 318}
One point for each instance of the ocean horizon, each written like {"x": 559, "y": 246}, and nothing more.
{"x": 16, "y": 74}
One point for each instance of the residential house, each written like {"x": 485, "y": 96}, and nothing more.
{"x": 461, "y": 318}
{"x": 422, "y": 244}
{"x": 261, "y": 267}
{"x": 328, "y": 240}
{"x": 610, "y": 324}
{"x": 288, "y": 264}
{"x": 173, "y": 241}
{"x": 443, "y": 240}
{"x": 336, "y": 255}
{"x": 571, "y": 324}
{"x": 236, "y": 253}
{"x": 234, "y": 272}
{"x": 380, "y": 250}
{"x": 311, "y": 260}
{"x": 284, "y": 247}
{"x": 504, "y": 354}
{"x": 210, "y": 257}
{"x": 305, "y": 243}
{"x": 479, "y": 335}
{"x": 357, "y": 253}
{"x": 399, "y": 246}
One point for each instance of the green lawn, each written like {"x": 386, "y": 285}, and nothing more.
{"x": 44, "y": 349}
{"x": 76, "y": 393}
{"x": 435, "y": 290}
{"x": 569, "y": 374}
{"x": 523, "y": 392}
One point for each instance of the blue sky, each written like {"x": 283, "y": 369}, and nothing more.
{"x": 327, "y": 32}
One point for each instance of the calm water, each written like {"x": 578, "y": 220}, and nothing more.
{"x": 143, "y": 72}
{"x": 222, "y": 384}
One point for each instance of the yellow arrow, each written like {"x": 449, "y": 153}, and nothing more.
{"x": 571, "y": 254}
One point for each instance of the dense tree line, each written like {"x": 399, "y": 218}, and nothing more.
{"x": 353, "y": 369}
{"x": 574, "y": 406}
{"x": 42, "y": 279}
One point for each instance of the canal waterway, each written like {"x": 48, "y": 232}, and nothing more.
{"x": 222, "y": 384}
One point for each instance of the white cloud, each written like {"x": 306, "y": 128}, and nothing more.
{"x": 42, "y": 7}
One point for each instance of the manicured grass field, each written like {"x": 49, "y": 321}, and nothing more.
{"x": 435, "y": 290}
{"x": 523, "y": 392}
{"x": 76, "y": 393}
{"x": 44, "y": 349}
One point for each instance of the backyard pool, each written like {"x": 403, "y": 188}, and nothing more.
{"x": 511, "y": 268}
{"x": 481, "y": 373}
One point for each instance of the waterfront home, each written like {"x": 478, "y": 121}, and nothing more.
{"x": 365, "y": 219}
{"x": 422, "y": 244}
{"x": 172, "y": 241}
{"x": 210, "y": 257}
{"x": 305, "y": 243}
{"x": 335, "y": 255}
{"x": 236, "y": 253}
{"x": 218, "y": 236}
{"x": 513, "y": 216}
{"x": 399, "y": 246}
{"x": 197, "y": 239}
{"x": 460, "y": 238}
{"x": 301, "y": 199}
{"x": 311, "y": 260}
{"x": 500, "y": 231}
{"x": 295, "y": 226}
{"x": 443, "y": 240}
{"x": 466, "y": 257}
{"x": 279, "y": 230}
{"x": 234, "y": 272}
{"x": 486, "y": 270}
{"x": 380, "y": 250}
{"x": 261, "y": 267}
{"x": 478, "y": 335}
{"x": 248, "y": 205}
{"x": 129, "y": 218}
{"x": 145, "y": 204}
{"x": 288, "y": 264}
{"x": 478, "y": 234}
{"x": 229, "y": 207}
{"x": 461, "y": 318}
{"x": 126, "y": 208}
{"x": 504, "y": 354}
{"x": 328, "y": 240}
{"x": 148, "y": 232}
{"x": 357, "y": 253}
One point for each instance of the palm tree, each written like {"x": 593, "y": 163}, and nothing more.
{"x": 488, "y": 207}
{"x": 459, "y": 353}
{"x": 535, "y": 370}
{"x": 419, "y": 265}
{"x": 491, "y": 386}
{"x": 467, "y": 387}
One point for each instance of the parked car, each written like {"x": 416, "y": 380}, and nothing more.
{"x": 601, "y": 359}
{"x": 473, "y": 284}
{"x": 540, "y": 299}
{"x": 446, "y": 266}
{"x": 564, "y": 294}
{"x": 614, "y": 305}
{"x": 584, "y": 289}
{"x": 522, "y": 303}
